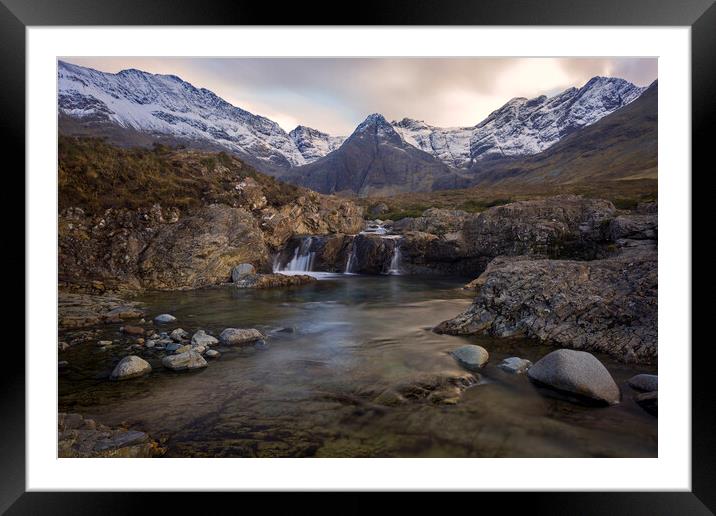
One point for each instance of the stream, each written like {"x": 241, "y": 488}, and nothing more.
{"x": 331, "y": 346}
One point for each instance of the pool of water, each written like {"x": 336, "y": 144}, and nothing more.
{"x": 309, "y": 391}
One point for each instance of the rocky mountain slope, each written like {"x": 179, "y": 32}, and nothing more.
{"x": 314, "y": 144}
{"x": 138, "y": 108}
{"x": 521, "y": 127}
{"x": 129, "y": 102}
{"x": 374, "y": 160}
{"x": 171, "y": 219}
{"x": 620, "y": 146}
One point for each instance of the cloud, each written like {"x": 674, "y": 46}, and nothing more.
{"x": 336, "y": 94}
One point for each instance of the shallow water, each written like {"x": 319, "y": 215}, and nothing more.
{"x": 309, "y": 392}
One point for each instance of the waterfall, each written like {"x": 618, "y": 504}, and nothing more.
{"x": 395, "y": 260}
{"x": 302, "y": 260}
{"x": 351, "y": 258}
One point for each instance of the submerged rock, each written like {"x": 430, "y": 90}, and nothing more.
{"x": 212, "y": 353}
{"x": 184, "y": 361}
{"x": 133, "y": 330}
{"x": 576, "y": 372}
{"x": 130, "y": 367}
{"x": 164, "y": 318}
{"x": 238, "y": 336}
{"x": 273, "y": 280}
{"x": 515, "y": 365}
{"x": 649, "y": 401}
{"x": 644, "y": 382}
{"x": 471, "y": 357}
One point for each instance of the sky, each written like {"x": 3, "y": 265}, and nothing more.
{"x": 335, "y": 94}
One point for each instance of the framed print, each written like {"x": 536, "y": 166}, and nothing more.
{"x": 432, "y": 250}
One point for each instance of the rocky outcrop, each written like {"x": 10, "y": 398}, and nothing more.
{"x": 81, "y": 437}
{"x": 607, "y": 305}
{"x": 84, "y": 310}
{"x": 218, "y": 213}
{"x": 577, "y": 373}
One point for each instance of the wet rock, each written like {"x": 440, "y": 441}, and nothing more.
{"x": 104, "y": 343}
{"x": 241, "y": 270}
{"x": 79, "y": 310}
{"x": 515, "y": 365}
{"x": 238, "y": 336}
{"x": 78, "y": 437}
{"x": 649, "y": 401}
{"x": 576, "y": 372}
{"x": 185, "y": 348}
{"x": 132, "y": 330}
{"x": 171, "y": 346}
{"x": 201, "y": 338}
{"x": 471, "y": 357}
{"x": 644, "y": 382}
{"x": 130, "y": 367}
{"x": 607, "y": 305}
{"x": 164, "y": 318}
{"x": 212, "y": 353}
{"x": 273, "y": 280}
{"x": 389, "y": 398}
{"x": 439, "y": 388}
{"x": 184, "y": 361}
{"x": 178, "y": 335}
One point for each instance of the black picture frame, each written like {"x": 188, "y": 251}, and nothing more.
{"x": 700, "y": 15}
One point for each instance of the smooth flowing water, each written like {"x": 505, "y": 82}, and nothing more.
{"x": 309, "y": 391}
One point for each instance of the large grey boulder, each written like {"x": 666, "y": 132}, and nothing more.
{"x": 576, "y": 372}
{"x": 243, "y": 269}
{"x": 130, "y": 367}
{"x": 644, "y": 382}
{"x": 238, "y": 336}
{"x": 184, "y": 361}
{"x": 201, "y": 338}
{"x": 471, "y": 357}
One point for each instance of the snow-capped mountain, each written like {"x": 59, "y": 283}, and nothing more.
{"x": 314, "y": 144}
{"x": 167, "y": 105}
{"x": 522, "y": 126}
{"x": 375, "y": 160}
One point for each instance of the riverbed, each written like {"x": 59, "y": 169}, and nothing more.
{"x": 308, "y": 392}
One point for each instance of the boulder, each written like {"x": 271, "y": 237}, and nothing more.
{"x": 184, "y": 361}
{"x": 241, "y": 270}
{"x": 201, "y": 338}
{"x": 239, "y": 336}
{"x": 644, "y": 382}
{"x": 130, "y": 367}
{"x": 515, "y": 365}
{"x": 178, "y": 335}
{"x": 471, "y": 357}
{"x": 164, "y": 318}
{"x": 576, "y": 372}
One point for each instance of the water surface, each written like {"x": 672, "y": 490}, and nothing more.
{"x": 309, "y": 391}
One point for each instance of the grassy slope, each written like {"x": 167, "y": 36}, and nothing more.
{"x": 95, "y": 175}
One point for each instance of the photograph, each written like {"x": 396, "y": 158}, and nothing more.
{"x": 357, "y": 257}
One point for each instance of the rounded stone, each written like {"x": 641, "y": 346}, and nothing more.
{"x": 471, "y": 356}
{"x": 130, "y": 367}
{"x": 164, "y": 318}
{"x": 576, "y": 372}
{"x": 644, "y": 382}
{"x": 238, "y": 336}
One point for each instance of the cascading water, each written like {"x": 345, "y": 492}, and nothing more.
{"x": 302, "y": 260}
{"x": 394, "y": 268}
{"x": 351, "y": 259}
